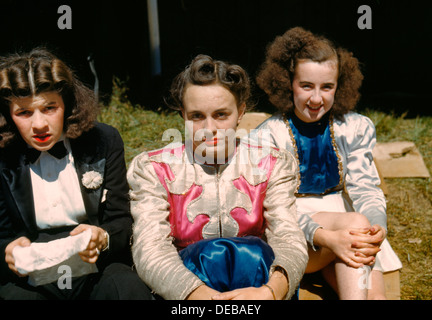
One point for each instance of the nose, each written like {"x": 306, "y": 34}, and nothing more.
{"x": 39, "y": 122}
{"x": 316, "y": 98}
{"x": 210, "y": 125}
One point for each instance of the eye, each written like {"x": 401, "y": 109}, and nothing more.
{"x": 23, "y": 113}
{"x": 221, "y": 115}
{"x": 50, "y": 108}
{"x": 195, "y": 116}
{"x": 328, "y": 87}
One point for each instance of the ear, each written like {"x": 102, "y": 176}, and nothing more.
{"x": 241, "y": 111}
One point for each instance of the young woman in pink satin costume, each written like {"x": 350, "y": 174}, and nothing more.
{"x": 203, "y": 209}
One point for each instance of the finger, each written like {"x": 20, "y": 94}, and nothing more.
{"x": 225, "y": 295}
{"x": 80, "y": 228}
{"x": 359, "y": 231}
{"x": 367, "y": 252}
{"x": 91, "y": 245}
{"x": 25, "y": 242}
{"x": 364, "y": 245}
{"x": 367, "y": 241}
{"x": 367, "y": 238}
{"x": 89, "y": 258}
{"x": 376, "y": 228}
{"x": 353, "y": 264}
{"x": 377, "y": 239}
{"x": 363, "y": 260}
{"x": 15, "y": 270}
{"x": 90, "y": 252}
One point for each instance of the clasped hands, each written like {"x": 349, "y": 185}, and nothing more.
{"x": 277, "y": 287}
{"x": 96, "y": 244}
{"x": 357, "y": 247}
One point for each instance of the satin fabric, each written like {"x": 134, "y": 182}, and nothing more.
{"x": 354, "y": 139}
{"x": 226, "y": 264}
{"x": 190, "y": 218}
{"x": 176, "y": 203}
{"x": 319, "y": 168}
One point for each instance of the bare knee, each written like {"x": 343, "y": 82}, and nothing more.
{"x": 341, "y": 220}
{"x": 357, "y": 220}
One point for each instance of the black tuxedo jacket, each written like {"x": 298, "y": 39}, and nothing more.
{"x": 100, "y": 149}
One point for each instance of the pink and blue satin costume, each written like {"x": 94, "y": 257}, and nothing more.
{"x": 200, "y": 224}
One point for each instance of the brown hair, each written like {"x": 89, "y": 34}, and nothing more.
{"x": 202, "y": 71}
{"x": 28, "y": 74}
{"x": 277, "y": 72}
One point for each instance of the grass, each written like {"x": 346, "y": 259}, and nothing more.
{"x": 141, "y": 129}
{"x": 409, "y": 207}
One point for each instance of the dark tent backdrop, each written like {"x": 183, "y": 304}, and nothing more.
{"x": 395, "y": 53}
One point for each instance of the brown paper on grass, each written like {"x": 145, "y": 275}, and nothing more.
{"x": 400, "y": 159}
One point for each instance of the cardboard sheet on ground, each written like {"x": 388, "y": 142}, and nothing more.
{"x": 41, "y": 261}
{"x": 400, "y": 159}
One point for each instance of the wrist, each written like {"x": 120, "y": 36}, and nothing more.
{"x": 106, "y": 240}
{"x": 202, "y": 292}
{"x": 269, "y": 293}
{"x": 321, "y": 237}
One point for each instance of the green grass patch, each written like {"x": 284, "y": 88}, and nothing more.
{"x": 141, "y": 130}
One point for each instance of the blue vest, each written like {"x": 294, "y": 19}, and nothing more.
{"x": 318, "y": 161}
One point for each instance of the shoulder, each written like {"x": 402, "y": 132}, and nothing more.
{"x": 355, "y": 119}
{"x": 354, "y": 124}
{"x": 355, "y": 131}
{"x": 258, "y": 153}
{"x": 172, "y": 152}
{"x": 151, "y": 165}
{"x": 101, "y": 130}
{"x": 273, "y": 131}
{"x": 274, "y": 122}
{"x": 101, "y": 140}
{"x": 100, "y": 134}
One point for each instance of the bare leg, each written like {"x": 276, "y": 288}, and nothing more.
{"x": 377, "y": 288}
{"x": 344, "y": 279}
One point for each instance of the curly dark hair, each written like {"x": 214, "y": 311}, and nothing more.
{"x": 277, "y": 72}
{"x": 202, "y": 71}
{"x": 28, "y": 74}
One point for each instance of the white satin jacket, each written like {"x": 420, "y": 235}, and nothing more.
{"x": 354, "y": 139}
{"x": 176, "y": 202}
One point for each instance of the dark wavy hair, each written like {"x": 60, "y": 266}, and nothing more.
{"x": 202, "y": 71}
{"x": 282, "y": 56}
{"x": 28, "y": 74}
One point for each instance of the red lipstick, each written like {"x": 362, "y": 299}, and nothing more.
{"x": 41, "y": 137}
{"x": 211, "y": 142}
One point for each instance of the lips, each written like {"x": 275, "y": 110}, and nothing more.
{"x": 314, "y": 109}
{"x": 211, "y": 142}
{"x": 41, "y": 137}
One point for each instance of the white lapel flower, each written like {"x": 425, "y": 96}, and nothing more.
{"x": 92, "y": 180}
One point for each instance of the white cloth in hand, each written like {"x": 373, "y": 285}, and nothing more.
{"x": 41, "y": 261}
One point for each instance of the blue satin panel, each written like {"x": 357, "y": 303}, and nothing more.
{"x": 226, "y": 264}
{"x": 319, "y": 168}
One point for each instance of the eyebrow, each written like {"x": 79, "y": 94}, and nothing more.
{"x": 20, "y": 108}
{"x": 325, "y": 83}
{"x": 200, "y": 111}
{"x": 50, "y": 103}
